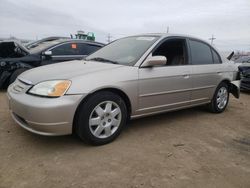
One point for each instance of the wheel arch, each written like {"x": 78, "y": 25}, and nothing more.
{"x": 119, "y": 92}
{"x": 233, "y": 89}
{"x": 226, "y": 81}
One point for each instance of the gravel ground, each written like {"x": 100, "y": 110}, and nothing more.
{"x": 188, "y": 148}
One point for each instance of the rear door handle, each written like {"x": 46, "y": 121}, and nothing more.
{"x": 186, "y": 76}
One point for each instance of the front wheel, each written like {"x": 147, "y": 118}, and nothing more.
{"x": 101, "y": 118}
{"x": 220, "y": 99}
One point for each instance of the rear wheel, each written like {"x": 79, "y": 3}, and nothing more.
{"x": 15, "y": 74}
{"x": 220, "y": 98}
{"x": 101, "y": 118}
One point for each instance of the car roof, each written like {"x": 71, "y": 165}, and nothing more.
{"x": 169, "y": 35}
{"x": 164, "y": 35}
{"x": 49, "y": 44}
{"x": 61, "y": 40}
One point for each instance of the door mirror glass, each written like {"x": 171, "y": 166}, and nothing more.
{"x": 155, "y": 61}
{"x": 47, "y": 53}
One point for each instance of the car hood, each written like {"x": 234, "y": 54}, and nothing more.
{"x": 66, "y": 70}
{"x": 12, "y": 49}
{"x": 247, "y": 65}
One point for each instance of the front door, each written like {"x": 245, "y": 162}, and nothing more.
{"x": 166, "y": 87}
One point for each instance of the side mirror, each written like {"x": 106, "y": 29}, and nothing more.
{"x": 155, "y": 61}
{"x": 47, "y": 53}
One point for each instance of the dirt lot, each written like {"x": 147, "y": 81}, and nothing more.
{"x": 188, "y": 148}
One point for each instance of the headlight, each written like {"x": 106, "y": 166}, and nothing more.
{"x": 54, "y": 88}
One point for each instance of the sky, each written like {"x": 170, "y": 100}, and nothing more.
{"x": 227, "y": 20}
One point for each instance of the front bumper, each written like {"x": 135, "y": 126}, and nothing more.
{"x": 44, "y": 116}
{"x": 245, "y": 84}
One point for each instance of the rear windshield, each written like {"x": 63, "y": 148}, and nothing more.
{"x": 42, "y": 46}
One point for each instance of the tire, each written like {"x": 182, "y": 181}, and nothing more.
{"x": 101, "y": 118}
{"x": 15, "y": 74}
{"x": 220, "y": 99}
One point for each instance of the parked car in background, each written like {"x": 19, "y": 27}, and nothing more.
{"x": 15, "y": 58}
{"x": 243, "y": 59}
{"x": 129, "y": 78}
{"x": 245, "y": 76}
{"x": 47, "y": 39}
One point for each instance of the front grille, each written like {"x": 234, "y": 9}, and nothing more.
{"x": 246, "y": 75}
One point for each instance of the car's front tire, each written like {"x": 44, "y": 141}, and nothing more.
{"x": 220, "y": 99}
{"x": 100, "y": 119}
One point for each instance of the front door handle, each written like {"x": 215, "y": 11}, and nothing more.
{"x": 220, "y": 73}
{"x": 186, "y": 76}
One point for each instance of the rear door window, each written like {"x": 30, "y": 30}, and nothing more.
{"x": 216, "y": 57}
{"x": 86, "y": 49}
{"x": 200, "y": 52}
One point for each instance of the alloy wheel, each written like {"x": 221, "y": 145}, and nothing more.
{"x": 105, "y": 119}
{"x": 222, "y": 98}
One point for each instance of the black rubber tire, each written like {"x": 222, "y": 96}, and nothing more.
{"x": 81, "y": 125}
{"x": 213, "y": 107}
{"x": 15, "y": 74}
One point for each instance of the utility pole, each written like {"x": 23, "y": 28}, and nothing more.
{"x": 212, "y": 39}
{"x": 109, "y": 38}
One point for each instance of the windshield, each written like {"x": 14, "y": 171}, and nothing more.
{"x": 38, "y": 47}
{"x": 126, "y": 51}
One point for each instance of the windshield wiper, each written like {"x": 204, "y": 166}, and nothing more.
{"x": 103, "y": 60}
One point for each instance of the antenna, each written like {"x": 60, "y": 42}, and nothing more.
{"x": 212, "y": 39}
{"x": 109, "y": 38}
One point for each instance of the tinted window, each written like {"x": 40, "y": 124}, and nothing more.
{"x": 67, "y": 49}
{"x": 216, "y": 57}
{"x": 39, "y": 47}
{"x": 201, "y": 53}
{"x": 92, "y": 48}
{"x": 86, "y": 49}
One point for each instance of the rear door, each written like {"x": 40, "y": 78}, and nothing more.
{"x": 206, "y": 71}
